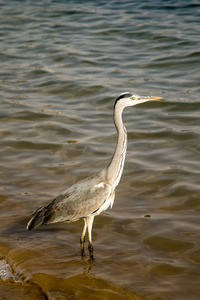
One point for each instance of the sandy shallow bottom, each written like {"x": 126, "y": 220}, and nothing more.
{"x": 16, "y": 291}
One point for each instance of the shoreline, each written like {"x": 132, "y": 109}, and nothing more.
{"x": 12, "y": 287}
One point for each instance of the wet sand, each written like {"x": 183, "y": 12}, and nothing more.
{"x": 16, "y": 291}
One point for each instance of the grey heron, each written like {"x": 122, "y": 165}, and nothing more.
{"x": 93, "y": 195}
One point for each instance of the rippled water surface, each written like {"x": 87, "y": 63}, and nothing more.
{"x": 63, "y": 63}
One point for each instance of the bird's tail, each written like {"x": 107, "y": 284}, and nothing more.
{"x": 38, "y": 218}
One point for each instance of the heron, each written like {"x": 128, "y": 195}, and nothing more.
{"x": 91, "y": 196}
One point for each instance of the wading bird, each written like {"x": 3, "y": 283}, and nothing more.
{"x": 93, "y": 195}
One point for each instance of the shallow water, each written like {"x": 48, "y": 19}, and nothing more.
{"x": 62, "y": 66}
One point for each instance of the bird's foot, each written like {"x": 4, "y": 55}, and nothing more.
{"x": 91, "y": 250}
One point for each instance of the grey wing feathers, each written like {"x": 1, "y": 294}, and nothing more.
{"x": 79, "y": 201}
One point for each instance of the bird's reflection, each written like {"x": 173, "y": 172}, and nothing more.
{"x": 89, "y": 261}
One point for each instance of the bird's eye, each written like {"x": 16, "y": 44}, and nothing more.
{"x": 135, "y": 97}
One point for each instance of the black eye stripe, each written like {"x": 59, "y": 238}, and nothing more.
{"x": 125, "y": 95}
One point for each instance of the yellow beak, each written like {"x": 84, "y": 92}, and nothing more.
{"x": 149, "y": 98}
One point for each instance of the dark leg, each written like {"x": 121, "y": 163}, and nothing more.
{"x": 82, "y": 241}
{"x": 91, "y": 249}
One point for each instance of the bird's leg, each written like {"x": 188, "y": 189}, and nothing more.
{"x": 89, "y": 224}
{"x": 82, "y": 239}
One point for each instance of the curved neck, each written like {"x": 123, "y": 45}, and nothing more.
{"x": 115, "y": 168}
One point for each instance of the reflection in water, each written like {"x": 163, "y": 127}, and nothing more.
{"x": 90, "y": 261}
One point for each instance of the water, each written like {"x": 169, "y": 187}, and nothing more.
{"x": 63, "y": 63}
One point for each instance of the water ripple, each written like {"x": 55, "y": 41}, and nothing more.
{"x": 62, "y": 66}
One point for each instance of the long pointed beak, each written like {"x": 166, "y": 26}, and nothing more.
{"x": 149, "y": 98}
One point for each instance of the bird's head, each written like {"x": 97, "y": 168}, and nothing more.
{"x": 129, "y": 99}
